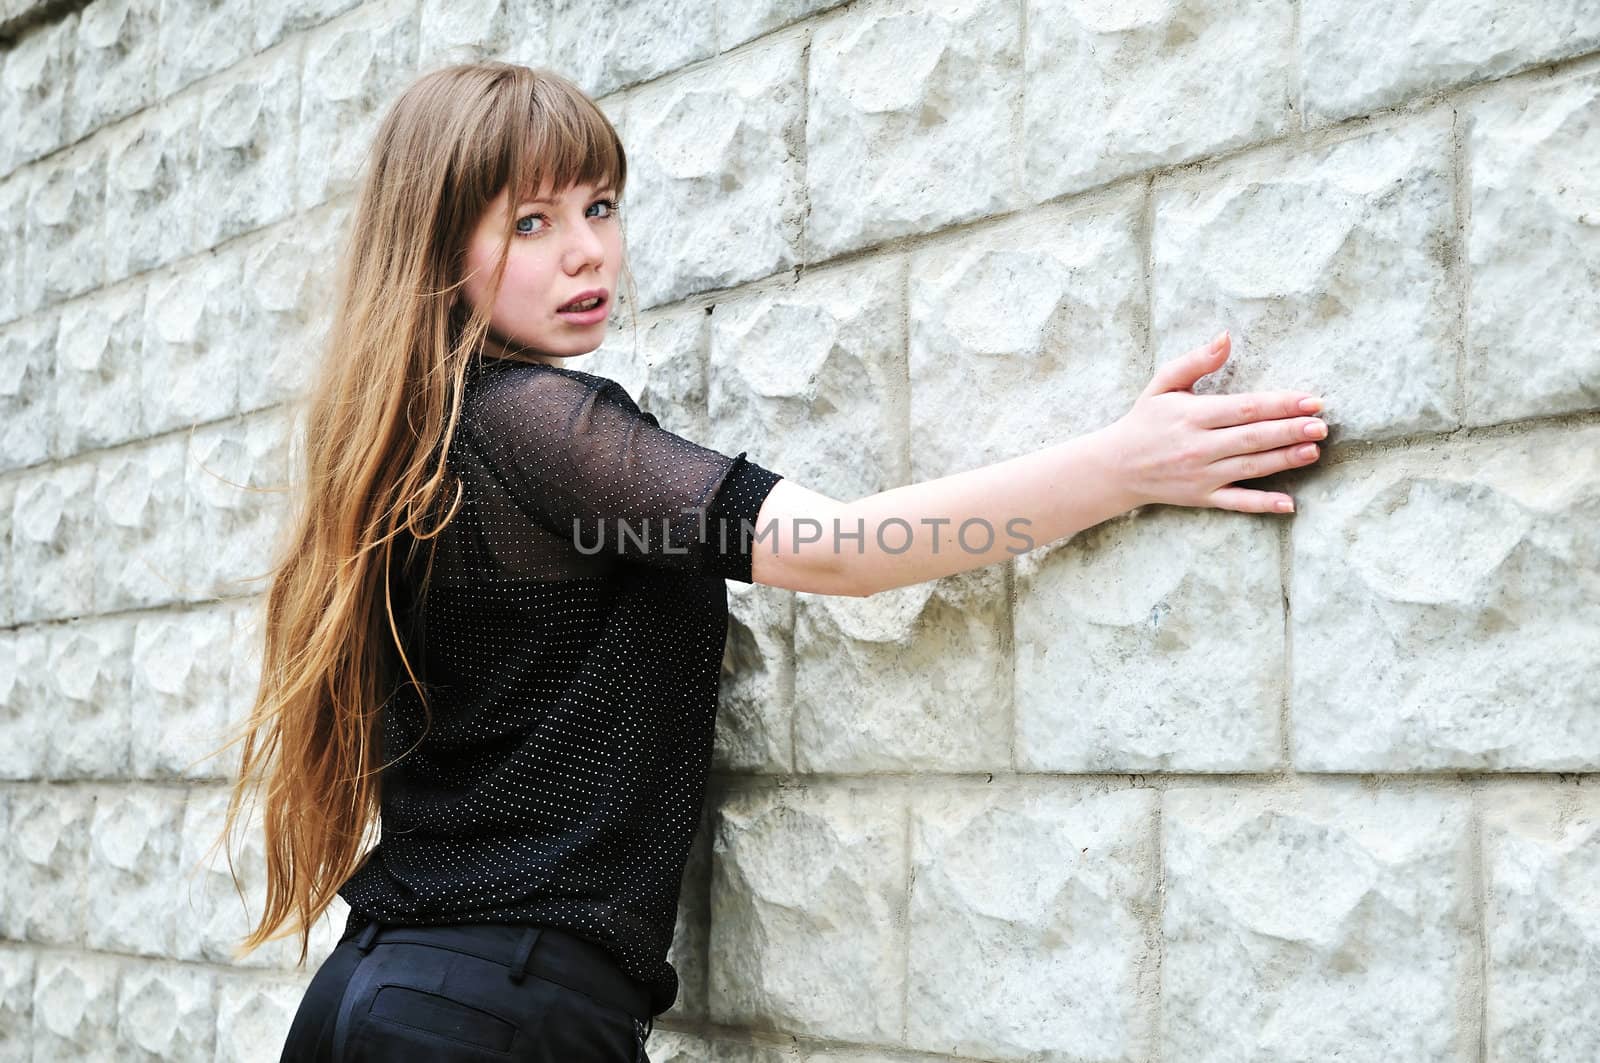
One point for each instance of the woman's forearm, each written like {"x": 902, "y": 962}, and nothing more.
{"x": 978, "y": 517}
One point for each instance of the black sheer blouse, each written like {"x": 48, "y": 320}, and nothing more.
{"x": 570, "y": 638}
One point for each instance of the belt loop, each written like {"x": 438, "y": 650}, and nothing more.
{"x": 519, "y": 959}
{"x": 364, "y": 939}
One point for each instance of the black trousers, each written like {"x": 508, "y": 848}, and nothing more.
{"x": 469, "y": 993}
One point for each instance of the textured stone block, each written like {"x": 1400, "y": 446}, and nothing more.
{"x": 25, "y": 709}
{"x": 8, "y": 498}
{"x": 28, "y": 390}
{"x": 1335, "y": 923}
{"x": 64, "y": 253}
{"x": 181, "y": 665}
{"x": 245, "y": 167}
{"x": 211, "y": 921}
{"x": 1331, "y": 268}
{"x": 1356, "y": 58}
{"x": 604, "y": 47}
{"x": 152, "y": 177}
{"x": 277, "y": 21}
{"x": 52, "y": 540}
{"x": 661, "y": 363}
{"x": 907, "y": 680}
{"x": 133, "y": 863}
{"x": 1030, "y": 924}
{"x": 98, "y": 363}
{"x": 287, "y": 306}
{"x": 910, "y": 124}
{"x": 674, "y": 1046}
{"x": 253, "y": 1016}
{"x": 353, "y": 69}
{"x": 199, "y": 38}
{"x": 755, "y": 709}
{"x": 1113, "y": 89}
{"x": 238, "y": 475}
{"x": 829, "y": 411}
{"x": 75, "y": 1006}
{"x": 1152, "y": 642}
{"x": 166, "y": 1012}
{"x": 714, "y": 184}
{"x": 189, "y": 373}
{"x": 1542, "y": 860}
{"x": 807, "y": 896}
{"x": 115, "y": 56}
{"x": 1446, "y": 608}
{"x": 88, "y": 723}
{"x": 47, "y": 858}
{"x": 16, "y": 1002}
{"x": 739, "y": 21}
{"x": 15, "y": 192}
{"x": 1025, "y": 334}
{"x": 33, "y": 92}
{"x": 691, "y": 936}
{"x": 512, "y": 30}
{"x": 141, "y": 521}
{"x": 1534, "y": 249}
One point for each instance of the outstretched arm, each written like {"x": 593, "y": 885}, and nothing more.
{"x": 1173, "y": 447}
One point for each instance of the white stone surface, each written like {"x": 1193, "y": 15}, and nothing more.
{"x": 1030, "y": 931}
{"x": 1447, "y": 608}
{"x": 1533, "y": 320}
{"x": 1115, "y": 88}
{"x": 52, "y": 541}
{"x": 33, "y": 92}
{"x": 1152, "y": 643}
{"x": 47, "y": 860}
{"x": 119, "y": 41}
{"x": 353, "y": 68}
{"x": 715, "y": 194}
{"x": 75, "y": 1006}
{"x": 755, "y": 710}
{"x": 166, "y": 1012}
{"x": 179, "y": 700}
{"x": 86, "y": 681}
{"x": 237, "y": 475}
{"x": 917, "y": 670}
{"x": 607, "y": 46}
{"x": 93, "y": 396}
{"x": 245, "y": 167}
{"x": 27, "y": 390}
{"x": 1356, "y": 58}
{"x": 17, "y": 964}
{"x": 15, "y": 191}
{"x": 807, "y": 905}
{"x": 189, "y": 366}
{"x": 910, "y": 122}
{"x": 739, "y": 21}
{"x": 152, "y": 181}
{"x": 1025, "y": 334}
{"x": 810, "y": 379}
{"x": 1541, "y": 865}
{"x": 511, "y": 30}
{"x": 141, "y": 519}
{"x": 1328, "y": 924}
{"x": 133, "y": 861}
{"x": 64, "y": 252}
{"x": 1331, "y": 269}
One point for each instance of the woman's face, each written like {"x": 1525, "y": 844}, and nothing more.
{"x": 561, "y": 246}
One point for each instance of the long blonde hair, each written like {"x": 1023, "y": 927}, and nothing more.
{"x": 378, "y": 419}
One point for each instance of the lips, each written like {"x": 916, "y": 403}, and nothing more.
{"x": 583, "y": 297}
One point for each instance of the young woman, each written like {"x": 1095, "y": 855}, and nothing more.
{"x": 503, "y": 593}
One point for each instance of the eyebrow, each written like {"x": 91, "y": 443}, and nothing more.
{"x": 553, "y": 202}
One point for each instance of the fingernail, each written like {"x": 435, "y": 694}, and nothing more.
{"x": 1285, "y": 506}
{"x": 1311, "y": 405}
{"x": 1217, "y": 341}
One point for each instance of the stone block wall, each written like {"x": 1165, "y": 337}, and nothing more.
{"x": 1191, "y": 785}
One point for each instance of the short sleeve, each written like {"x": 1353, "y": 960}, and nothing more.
{"x": 579, "y": 458}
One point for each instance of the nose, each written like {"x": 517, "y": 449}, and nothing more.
{"x": 586, "y": 247}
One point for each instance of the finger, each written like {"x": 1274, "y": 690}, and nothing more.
{"x": 1244, "y": 500}
{"x": 1182, "y": 371}
{"x": 1264, "y": 463}
{"x": 1222, "y": 443}
{"x": 1221, "y": 411}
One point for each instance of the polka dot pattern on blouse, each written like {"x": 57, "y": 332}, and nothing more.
{"x": 569, "y": 634}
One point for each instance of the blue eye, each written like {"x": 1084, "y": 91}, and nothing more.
{"x": 611, "y": 205}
